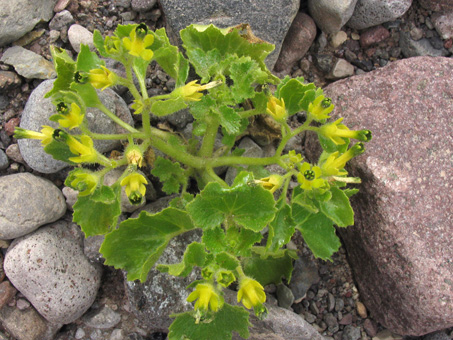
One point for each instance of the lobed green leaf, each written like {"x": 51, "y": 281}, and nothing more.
{"x": 139, "y": 242}
{"x": 195, "y": 255}
{"x": 219, "y": 326}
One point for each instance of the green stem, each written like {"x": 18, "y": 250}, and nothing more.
{"x": 130, "y": 81}
{"x": 207, "y": 147}
{"x": 176, "y": 154}
{"x": 231, "y": 160}
{"x": 249, "y": 113}
{"x": 286, "y": 139}
{"x": 113, "y": 117}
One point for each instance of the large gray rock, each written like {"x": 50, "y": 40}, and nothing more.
{"x": 400, "y": 246}
{"x": 331, "y": 15}
{"x": 368, "y": 13}
{"x": 417, "y": 48}
{"x": 49, "y": 268}
{"x": 18, "y": 17}
{"x": 300, "y": 36}
{"x": 28, "y": 64}
{"x": 269, "y": 20}
{"x": 27, "y": 202}
{"x": 38, "y": 110}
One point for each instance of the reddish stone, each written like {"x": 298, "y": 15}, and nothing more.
{"x": 346, "y": 320}
{"x": 370, "y": 327}
{"x": 61, "y": 5}
{"x": 10, "y": 125}
{"x": 448, "y": 43}
{"x": 7, "y": 292}
{"x": 298, "y": 40}
{"x": 374, "y": 36}
{"x": 400, "y": 246}
{"x": 436, "y": 5}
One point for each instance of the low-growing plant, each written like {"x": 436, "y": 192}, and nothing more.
{"x": 232, "y": 87}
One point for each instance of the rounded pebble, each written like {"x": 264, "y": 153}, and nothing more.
{"x": 27, "y": 202}
{"x": 49, "y": 268}
{"x": 80, "y": 35}
{"x": 3, "y": 160}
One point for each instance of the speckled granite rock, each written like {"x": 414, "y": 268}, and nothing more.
{"x": 28, "y": 64}
{"x": 269, "y": 20}
{"x": 49, "y": 268}
{"x": 368, "y": 13}
{"x": 20, "y": 16}
{"x": 38, "y": 110}
{"x": 402, "y": 236}
{"x": 27, "y": 202}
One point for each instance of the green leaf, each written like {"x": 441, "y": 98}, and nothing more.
{"x": 65, "y": 68}
{"x": 87, "y": 60}
{"x": 281, "y": 229}
{"x": 139, "y": 242}
{"x": 350, "y": 192}
{"x": 165, "y": 107}
{"x": 59, "y": 151}
{"x": 195, "y": 255}
{"x": 338, "y": 208}
{"x": 230, "y": 139}
{"x": 98, "y": 213}
{"x": 229, "y": 120}
{"x": 319, "y": 234}
{"x": 297, "y": 95}
{"x": 98, "y": 41}
{"x": 206, "y": 63}
{"x": 88, "y": 93}
{"x": 227, "y": 261}
{"x": 171, "y": 174}
{"x": 251, "y": 206}
{"x": 239, "y": 42}
{"x": 271, "y": 269}
{"x": 181, "y": 201}
{"x": 171, "y": 60}
{"x": 214, "y": 239}
{"x": 246, "y": 74}
{"x": 301, "y": 198}
{"x": 123, "y": 31}
{"x": 240, "y": 240}
{"x": 329, "y": 146}
{"x": 219, "y": 326}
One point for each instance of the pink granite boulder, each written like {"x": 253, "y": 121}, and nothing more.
{"x": 400, "y": 247}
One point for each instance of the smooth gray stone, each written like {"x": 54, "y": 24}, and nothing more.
{"x": 27, "y": 202}
{"x": 49, "y": 268}
{"x": 37, "y": 112}
{"x": 28, "y": 64}
{"x": 18, "y": 17}
{"x": 330, "y": 16}
{"x": 3, "y": 160}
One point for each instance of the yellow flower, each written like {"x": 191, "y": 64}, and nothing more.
{"x": 69, "y": 118}
{"x": 334, "y": 164}
{"x": 135, "y": 187}
{"x": 45, "y": 135}
{"x": 271, "y": 183}
{"x": 310, "y": 177}
{"x": 208, "y": 297}
{"x": 101, "y": 78}
{"x": 134, "y": 155}
{"x": 138, "y": 41}
{"x": 320, "y": 108}
{"x": 337, "y": 132}
{"x": 276, "y": 108}
{"x": 191, "y": 91}
{"x": 84, "y": 149}
{"x": 85, "y": 182}
{"x": 251, "y": 292}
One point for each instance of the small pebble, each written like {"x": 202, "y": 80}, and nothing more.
{"x": 80, "y": 333}
{"x": 22, "y": 304}
{"x": 361, "y": 310}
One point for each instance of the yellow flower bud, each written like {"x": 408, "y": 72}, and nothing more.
{"x": 207, "y": 297}
{"x": 251, "y": 292}
{"x": 138, "y": 42}
{"x": 101, "y": 78}
{"x": 84, "y": 181}
{"x": 320, "y": 108}
{"x": 135, "y": 187}
{"x": 84, "y": 149}
{"x": 134, "y": 155}
{"x": 337, "y": 132}
{"x": 334, "y": 164}
{"x": 271, "y": 183}
{"x": 45, "y": 135}
{"x": 191, "y": 91}
{"x": 276, "y": 108}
